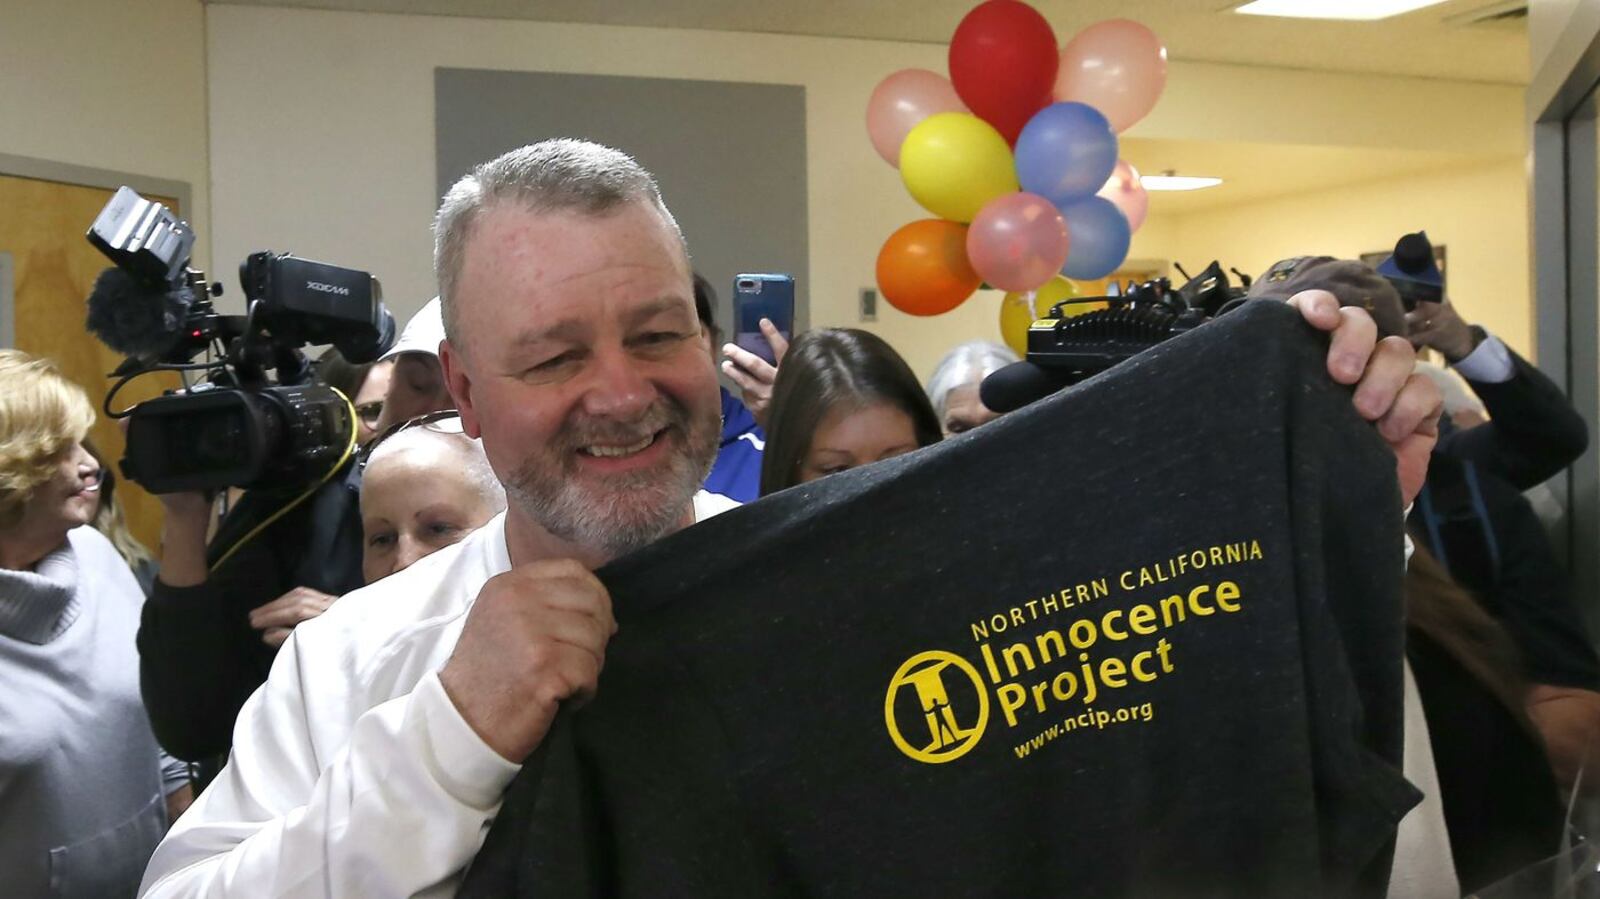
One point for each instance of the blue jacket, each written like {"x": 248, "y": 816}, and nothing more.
{"x": 737, "y": 472}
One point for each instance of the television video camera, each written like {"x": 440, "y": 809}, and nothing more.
{"x": 238, "y": 427}
{"x": 1069, "y": 345}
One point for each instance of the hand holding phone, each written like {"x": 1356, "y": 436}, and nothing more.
{"x": 764, "y": 321}
{"x": 757, "y": 297}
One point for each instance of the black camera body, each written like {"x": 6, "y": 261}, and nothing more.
{"x": 1144, "y": 315}
{"x": 1069, "y": 345}
{"x": 312, "y": 303}
{"x": 212, "y": 437}
{"x": 242, "y": 427}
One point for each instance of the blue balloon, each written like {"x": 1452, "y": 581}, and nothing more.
{"x": 1066, "y": 152}
{"x": 1100, "y": 237}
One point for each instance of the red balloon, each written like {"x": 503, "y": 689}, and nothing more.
{"x": 923, "y": 268}
{"x": 1003, "y": 62}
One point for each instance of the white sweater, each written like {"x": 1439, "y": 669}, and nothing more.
{"x": 82, "y": 783}
{"x": 352, "y": 772}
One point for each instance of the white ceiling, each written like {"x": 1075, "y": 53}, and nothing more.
{"x": 1254, "y": 171}
{"x": 1437, "y": 42}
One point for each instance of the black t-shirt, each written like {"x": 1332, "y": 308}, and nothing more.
{"x": 1143, "y": 638}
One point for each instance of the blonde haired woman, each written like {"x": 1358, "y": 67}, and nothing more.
{"x": 84, "y": 793}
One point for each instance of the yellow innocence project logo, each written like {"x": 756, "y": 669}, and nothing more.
{"x": 938, "y": 704}
{"x": 951, "y": 733}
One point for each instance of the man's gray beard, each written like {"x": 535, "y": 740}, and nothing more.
{"x": 634, "y": 510}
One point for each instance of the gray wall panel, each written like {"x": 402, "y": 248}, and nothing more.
{"x": 730, "y": 157}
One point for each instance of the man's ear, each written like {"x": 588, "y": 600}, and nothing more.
{"x": 460, "y": 385}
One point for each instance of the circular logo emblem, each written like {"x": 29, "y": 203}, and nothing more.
{"x": 940, "y": 691}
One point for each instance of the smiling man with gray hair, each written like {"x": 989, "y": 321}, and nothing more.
{"x": 376, "y": 755}
{"x": 572, "y": 349}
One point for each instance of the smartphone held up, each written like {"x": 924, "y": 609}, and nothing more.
{"x": 758, "y": 296}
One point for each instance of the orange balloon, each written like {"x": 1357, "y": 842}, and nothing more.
{"x": 923, "y": 267}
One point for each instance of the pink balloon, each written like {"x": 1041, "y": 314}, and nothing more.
{"x": 1117, "y": 66}
{"x": 903, "y": 100}
{"x": 1017, "y": 242}
{"x": 1126, "y": 192}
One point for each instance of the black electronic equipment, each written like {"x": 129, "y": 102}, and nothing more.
{"x": 240, "y": 427}
{"x": 1068, "y": 345}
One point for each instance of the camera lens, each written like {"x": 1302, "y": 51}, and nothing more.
{"x": 220, "y": 440}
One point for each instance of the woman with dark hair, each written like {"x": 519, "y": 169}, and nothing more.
{"x": 842, "y": 398}
{"x": 1498, "y": 793}
{"x": 365, "y": 384}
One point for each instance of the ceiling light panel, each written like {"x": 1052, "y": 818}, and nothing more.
{"x": 1357, "y": 10}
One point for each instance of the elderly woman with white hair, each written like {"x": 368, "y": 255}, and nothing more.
{"x": 953, "y": 389}
{"x": 425, "y": 486}
{"x": 85, "y": 794}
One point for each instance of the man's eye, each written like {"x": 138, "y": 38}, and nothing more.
{"x": 555, "y": 363}
{"x": 659, "y": 338}
{"x": 442, "y": 528}
{"x": 380, "y": 540}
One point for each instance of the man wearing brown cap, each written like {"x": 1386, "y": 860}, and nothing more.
{"x": 1534, "y": 432}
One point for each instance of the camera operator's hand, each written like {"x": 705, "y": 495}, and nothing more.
{"x": 277, "y": 618}
{"x": 752, "y": 373}
{"x": 1438, "y": 326}
{"x": 1404, "y": 405}
{"x": 185, "y": 522}
{"x": 536, "y": 635}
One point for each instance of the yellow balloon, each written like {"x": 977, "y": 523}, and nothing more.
{"x": 954, "y": 163}
{"x": 1019, "y": 310}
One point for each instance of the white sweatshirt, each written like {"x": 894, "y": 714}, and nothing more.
{"x": 352, "y": 772}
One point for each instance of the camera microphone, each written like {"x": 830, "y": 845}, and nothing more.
{"x": 134, "y": 318}
{"x": 1020, "y": 383}
{"x": 1413, "y": 254}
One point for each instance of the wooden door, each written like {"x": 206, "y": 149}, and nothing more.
{"x": 54, "y": 267}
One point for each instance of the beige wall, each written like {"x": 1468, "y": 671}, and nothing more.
{"x": 1479, "y": 214}
{"x": 322, "y": 134}
{"x": 109, "y": 85}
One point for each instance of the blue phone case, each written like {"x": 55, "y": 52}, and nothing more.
{"x": 758, "y": 296}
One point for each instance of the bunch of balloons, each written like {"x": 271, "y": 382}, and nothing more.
{"x": 1017, "y": 156}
